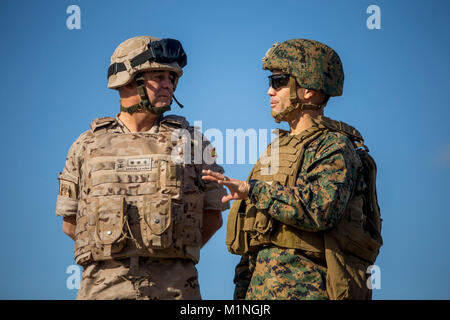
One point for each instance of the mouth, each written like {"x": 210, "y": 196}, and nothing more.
{"x": 273, "y": 104}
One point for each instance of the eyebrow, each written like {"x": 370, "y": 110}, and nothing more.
{"x": 159, "y": 72}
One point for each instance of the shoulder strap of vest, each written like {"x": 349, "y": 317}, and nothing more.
{"x": 100, "y": 123}
{"x": 292, "y": 179}
{"x": 343, "y": 128}
{"x": 372, "y": 211}
{"x": 173, "y": 120}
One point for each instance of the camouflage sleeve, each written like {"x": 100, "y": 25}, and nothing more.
{"x": 213, "y": 191}
{"x": 242, "y": 276}
{"x": 324, "y": 186}
{"x": 67, "y": 199}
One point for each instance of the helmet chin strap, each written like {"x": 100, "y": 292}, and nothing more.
{"x": 145, "y": 103}
{"x": 295, "y": 103}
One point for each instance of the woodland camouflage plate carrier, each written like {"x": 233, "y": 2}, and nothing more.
{"x": 351, "y": 246}
{"x": 135, "y": 201}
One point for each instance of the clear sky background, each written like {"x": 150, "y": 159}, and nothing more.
{"x": 53, "y": 84}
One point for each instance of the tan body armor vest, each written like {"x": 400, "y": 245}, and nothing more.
{"x": 135, "y": 201}
{"x": 348, "y": 248}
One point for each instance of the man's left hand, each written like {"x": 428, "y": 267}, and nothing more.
{"x": 238, "y": 189}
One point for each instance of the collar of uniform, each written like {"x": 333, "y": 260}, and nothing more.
{"x": 314, "y": 126}
{"x": 285, "y": 133}
{"x": 153, "y": 129}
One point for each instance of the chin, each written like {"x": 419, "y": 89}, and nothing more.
{"x": 162, "y": 104}
{"x": 277, "y": 110}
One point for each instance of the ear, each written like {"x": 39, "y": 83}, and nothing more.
{"x": 131, "y": 85}
{"x": 308, "y": 94}
{"x": 128, "y": 89}
{"x": 304, "y": 94}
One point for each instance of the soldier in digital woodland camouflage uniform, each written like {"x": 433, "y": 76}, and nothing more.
{"x": 307, "y": 221}
{"x": 131, "y": 192}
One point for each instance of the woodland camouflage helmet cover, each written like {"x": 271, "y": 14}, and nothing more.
{"x": 124, "y": 65}
{"x": 314, "y": 65}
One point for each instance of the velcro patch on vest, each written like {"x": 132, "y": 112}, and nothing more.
{"x": 134, "y": 164}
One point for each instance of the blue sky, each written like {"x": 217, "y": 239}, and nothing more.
{"x": 395, "y": 93}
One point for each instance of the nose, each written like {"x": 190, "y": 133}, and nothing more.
{"x": 167, "y": 83}
{"x": 271, "y": 92}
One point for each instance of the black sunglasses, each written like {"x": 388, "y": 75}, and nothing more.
{"x": 164, "y": 50}
{"x": 278, "y": 81}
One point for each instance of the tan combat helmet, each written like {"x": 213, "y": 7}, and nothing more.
{"x": 145, "y": 53}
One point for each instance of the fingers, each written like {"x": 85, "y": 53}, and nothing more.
{"x": 209, "y": 178}
{"x": 227, "y": 198}
{"x": 209, "y": 175}
{"x": 229, "y": 184}
{"x": 214, "y": 174}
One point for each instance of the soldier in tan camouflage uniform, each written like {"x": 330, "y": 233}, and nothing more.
{"x": 307, "y": 221}
{"x": 131, "y": 192}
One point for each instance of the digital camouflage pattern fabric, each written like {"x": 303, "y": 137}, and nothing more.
{"x": 243, "y": 274}
{"x": 324, "y": 186}
{"x": 310, "y": 229}
{"x": 328, "y": 176}
{"x": 313, "y": 64}
{"x": 286, "y": 274}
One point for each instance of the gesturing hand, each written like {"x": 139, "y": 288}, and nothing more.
{"x": 238, "y": 189}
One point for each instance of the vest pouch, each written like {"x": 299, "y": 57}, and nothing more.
{"x": 109, "y": 236}
{"x": 256, "y": 221}
{"x": 349, "y": 251}
{"x": 262, "y": 227}
{"x": 352, "y": 237}
{"x": 156, "y": 221}
{"x": 232, "y": 223}
{"x": 263, "y": 222}
{"x": 346, "y": 274}
{"x": 236, "y": 238}
{"x": 168, "y": 174}
{"x": 249, "y": 217}
{"x": 82, "y": 239}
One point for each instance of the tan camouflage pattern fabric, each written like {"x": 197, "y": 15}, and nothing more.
{"x": 165, "y": 279}
{"x": 69, "y": 178}
{"x": 80, "y": 180}
{"x": 129, "y": 49}
{"x": 314, "y": 65}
